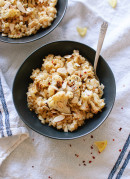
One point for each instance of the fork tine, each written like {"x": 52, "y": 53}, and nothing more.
{"x": 104, "y": 25}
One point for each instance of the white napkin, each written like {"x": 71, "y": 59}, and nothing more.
{"x": 12, "y": 131}
{"x": 39, "y": 157}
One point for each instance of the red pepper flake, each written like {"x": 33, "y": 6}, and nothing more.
{"x": 113, "y": 139}
{"x": 80, "y": 75}
{"x": 119, "y": 150}
{"x": 121, "y": 107}
{"x": 90, "y": 161}
{"x": 70, "y": 145}
{"x": 49, "y": 83}
{"x": 32, "y": 166}
{"x": 76, "y": 155}
{"x": 84, "y": 164}
{"x": 92, "y": 147}
{"x": 50, "y": 177}
{"x": 91, "y": 153}
{"x": 85, "y": 72}
{"x": 120, "y": 129}
{"x": 52, "y": 61}
{"x": 93, "y": 157}
{"x": 91, "y": 136}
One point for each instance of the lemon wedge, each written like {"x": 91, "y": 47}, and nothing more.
{"x": 112, "y": 3}
{"x": 82, "y": 31}
{"x": 101, "y": 145}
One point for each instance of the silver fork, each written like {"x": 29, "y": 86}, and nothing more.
{"x": 102, "y": 34}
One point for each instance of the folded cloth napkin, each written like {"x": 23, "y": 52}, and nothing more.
{"x": 40, "y": 157}
{"x": 12, "y": 131}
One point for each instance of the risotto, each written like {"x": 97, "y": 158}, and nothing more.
{"x": 64, "y": 92}
{"x": 20, "y": 18}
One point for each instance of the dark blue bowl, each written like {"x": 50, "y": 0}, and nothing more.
{"x": 61, "y": 9}
{"x": 34, "y": 61}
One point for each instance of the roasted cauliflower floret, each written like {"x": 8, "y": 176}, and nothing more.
{"x": 59, "y": 102}
{"x": 10, "y": 13}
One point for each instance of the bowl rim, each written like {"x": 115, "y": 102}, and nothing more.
{"x": 48, "y": 32}
{"x": 59, "y": 138}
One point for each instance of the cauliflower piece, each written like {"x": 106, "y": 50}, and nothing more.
{"x": 70, "y": 68}
{"x": 64, "y": 85}
{"x": 10, "y": 13}
{"x": 69, "y": 94}
{"x": 42, "y": 80}
{"x": 62, "y": 71}
{"x": 59, "y": 102}
{"x": 57, "y": 80}
{"x": 74, "y": 80}
{"x": 85, "y": 96}
{"x": 48, "y": 66}
{"x": 51, "y": 90}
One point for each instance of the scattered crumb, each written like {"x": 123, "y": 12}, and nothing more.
{"x": 70, "y": 145}
{"x": 121, "y": 107}
{"x": 91, "y": 153}
{"x": 83, "y": 139}
{"x": 79, "y": 165}
{"x": 91, "y": 136}
{"x": 32, "y": 166}
{"x": 99, "y": 152}
{"x": 120, "y": 129}
{"x": 123, "y": 85}
{"x": 112, "y": 3}
{"x": 84, "y": 164}
{"x": 83, "y": 161}
{"x": 32, "y": 139}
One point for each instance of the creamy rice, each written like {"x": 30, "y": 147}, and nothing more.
{"x": 20, "y": 18}
{"x": 64, "y": 92}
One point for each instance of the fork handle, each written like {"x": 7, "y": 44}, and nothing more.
{"x": 100, "y": 43}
